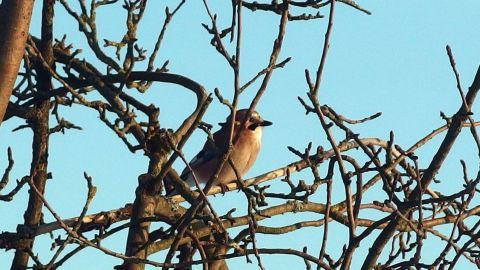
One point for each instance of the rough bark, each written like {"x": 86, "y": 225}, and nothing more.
{"x": 40, "y": 127}
{"x": 143, "y": 207}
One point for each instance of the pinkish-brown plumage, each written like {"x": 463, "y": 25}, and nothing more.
{"x": 243, "y": 156}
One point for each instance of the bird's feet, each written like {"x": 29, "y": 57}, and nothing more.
{"x": 224, "y": 188}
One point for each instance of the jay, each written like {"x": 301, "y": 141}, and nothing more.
{"x": 244, "y": 154}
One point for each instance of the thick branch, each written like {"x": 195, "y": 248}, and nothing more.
{"x": 14, "y": 23}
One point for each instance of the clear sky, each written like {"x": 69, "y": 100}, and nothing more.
{"x": 393, "y": 61}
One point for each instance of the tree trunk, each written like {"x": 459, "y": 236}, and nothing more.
{"x": 14, "y": 23}
{"x": 41, "y": 130}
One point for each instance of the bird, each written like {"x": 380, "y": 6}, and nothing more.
{"x": 206, "y": 162}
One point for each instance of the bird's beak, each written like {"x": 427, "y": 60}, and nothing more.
{"x": 265, "y": 123}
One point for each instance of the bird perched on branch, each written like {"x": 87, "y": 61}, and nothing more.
{"x": 244, "y": 154}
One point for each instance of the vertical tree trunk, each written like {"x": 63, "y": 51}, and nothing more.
{"x": 14, "y": 23}
{"x": 138, "y": 232}
{"x": 41, "y": 129}
{"x": 143, "y": 207}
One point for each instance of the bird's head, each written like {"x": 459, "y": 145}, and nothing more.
{"x": 255, "y": 121}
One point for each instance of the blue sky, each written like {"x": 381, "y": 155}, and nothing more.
{"x": 393, "y": 61}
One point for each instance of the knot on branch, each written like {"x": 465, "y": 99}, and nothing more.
{"x": 157, "y": 142}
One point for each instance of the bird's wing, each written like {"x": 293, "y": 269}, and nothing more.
{"x": 208, "y": 153}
